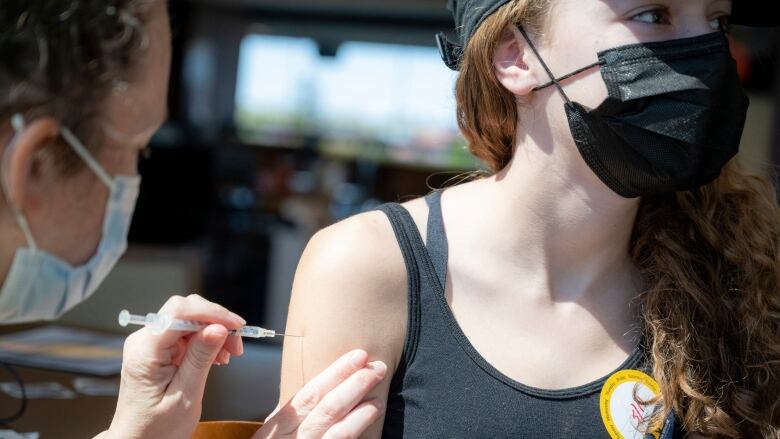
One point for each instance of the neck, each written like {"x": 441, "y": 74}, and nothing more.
{"x": 561, "y": 226}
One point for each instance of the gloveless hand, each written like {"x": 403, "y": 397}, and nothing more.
{"x": 164, "y": 376}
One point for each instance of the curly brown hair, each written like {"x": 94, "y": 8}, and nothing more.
{"x": 62, "y": 58}
{"x": 709, "y": 259}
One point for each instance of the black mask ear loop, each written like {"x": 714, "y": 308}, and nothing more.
{"x": 553, "y": 81}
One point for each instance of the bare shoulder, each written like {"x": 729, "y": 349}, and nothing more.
{"x": 349, "y": 292}
{"x": 365, "y": 246}
{"x": 362, "y": 249}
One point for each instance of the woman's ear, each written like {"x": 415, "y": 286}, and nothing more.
{"x": 510, "y": 63}
{"x": 22, "y": 165}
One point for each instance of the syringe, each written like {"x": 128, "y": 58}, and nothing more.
{"x": 160, "y": 323}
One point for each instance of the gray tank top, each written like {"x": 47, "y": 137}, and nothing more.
{"x": 443, "y": 388}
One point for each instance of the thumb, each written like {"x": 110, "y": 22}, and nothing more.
{"x": 202, "y": 349}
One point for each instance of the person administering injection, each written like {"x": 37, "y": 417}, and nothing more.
{"x": 83, "y": 87}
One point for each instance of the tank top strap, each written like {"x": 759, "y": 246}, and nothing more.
{"x": 419, "y": 269}
{"x": 436, "y": 239}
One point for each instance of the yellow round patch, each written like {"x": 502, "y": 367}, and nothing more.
{"x": 622, "y": 415}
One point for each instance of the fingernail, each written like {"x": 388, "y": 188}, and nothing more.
{"x": 227, "y": 360}
{"x": 358, "y": 359}
{"x": 238, "y": 319}
{"x": 379, "y": 368}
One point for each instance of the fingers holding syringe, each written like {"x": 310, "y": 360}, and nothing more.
{"x": 234, "y": 346}
{"x": 221, "y": 358}
{"x": 202, "y": 349}
{"x": 194, "y": 307}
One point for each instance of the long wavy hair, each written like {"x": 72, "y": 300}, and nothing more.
{"x": 709, "y": 259}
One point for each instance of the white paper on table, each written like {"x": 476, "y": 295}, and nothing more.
{"x": 96, "y": 386}
{"x": 10, "y": 434}
{"x": 44, "y": 390}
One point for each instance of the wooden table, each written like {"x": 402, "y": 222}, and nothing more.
{"x": 79, "y": 418}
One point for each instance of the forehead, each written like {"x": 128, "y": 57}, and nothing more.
{"x": 135, "y": 109}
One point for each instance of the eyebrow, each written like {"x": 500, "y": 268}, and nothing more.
{"x": 617, "y": 2}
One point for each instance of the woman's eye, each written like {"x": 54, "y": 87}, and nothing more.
{"x": 655, "y": 16}
{"x": 721, "y": 23}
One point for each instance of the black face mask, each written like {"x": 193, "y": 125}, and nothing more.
{"x": 673, "y": 118}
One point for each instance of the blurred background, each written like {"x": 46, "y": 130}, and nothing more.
{"x": 289, "y": 116}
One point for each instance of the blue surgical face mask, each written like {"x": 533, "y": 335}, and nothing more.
{"x": 41, "y": 286}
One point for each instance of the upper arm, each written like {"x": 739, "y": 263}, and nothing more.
{"x": 349, "y": 292}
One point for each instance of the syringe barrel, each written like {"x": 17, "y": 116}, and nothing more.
{"x": 158, "y": 323}
{"x": 186, "y": 325}
{"x": 255, "y": 332}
